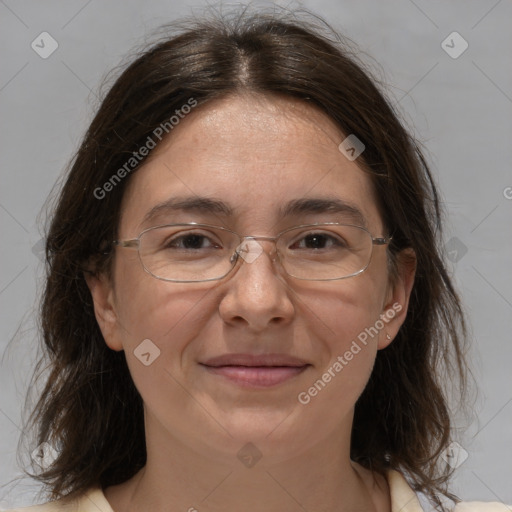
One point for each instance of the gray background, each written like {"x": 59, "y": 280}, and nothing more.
{"x": 460, "y": 108}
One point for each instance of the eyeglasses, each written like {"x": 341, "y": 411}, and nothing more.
{"x": 192, "y": 252}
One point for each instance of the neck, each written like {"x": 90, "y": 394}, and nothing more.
{"x": 178, "y": 478}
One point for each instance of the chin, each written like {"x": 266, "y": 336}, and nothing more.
{"x": 271, "y": 436}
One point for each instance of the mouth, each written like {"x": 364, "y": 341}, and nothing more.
{"x": 252, "y": 371}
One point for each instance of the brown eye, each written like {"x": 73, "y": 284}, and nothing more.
{"x": 318, "y": 241}
{"x": 191, "y": 241}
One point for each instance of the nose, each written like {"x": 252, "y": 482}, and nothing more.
{"x": 257, "y": 295}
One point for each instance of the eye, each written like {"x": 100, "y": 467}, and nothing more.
{"x": 317, "y": 241}
{"x": 190, "y": 241}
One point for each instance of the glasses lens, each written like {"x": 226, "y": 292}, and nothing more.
{"x": 325, "y": 252}
{"x": 187, "y": 253}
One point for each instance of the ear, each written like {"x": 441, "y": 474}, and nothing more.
{"x": 102, "y": 293}
{"x": 397, "y": 299}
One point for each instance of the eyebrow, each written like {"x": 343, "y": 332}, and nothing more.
{"x": 208, "y": 205}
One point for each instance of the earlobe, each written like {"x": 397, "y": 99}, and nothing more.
{"x": 397, "y": 301}
{"x": 104, "y": 308}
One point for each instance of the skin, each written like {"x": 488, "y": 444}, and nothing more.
{"x": 255, "y": 153}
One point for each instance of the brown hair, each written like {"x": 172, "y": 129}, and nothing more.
{"x": 89, "y": 407}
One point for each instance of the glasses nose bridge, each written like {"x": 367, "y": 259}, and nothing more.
{"x": 249, "y": 252}
{"x": 272, "y": 239}
{"x": 255, "y": 237}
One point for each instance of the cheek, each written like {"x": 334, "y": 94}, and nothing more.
{"x": 156, "y": 317}
{"x": 350, "y": 308}
{"x": 160, "y": 320}
{"x": 349, "y": 312}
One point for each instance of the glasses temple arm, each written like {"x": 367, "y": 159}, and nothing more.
{"x": 131, "y": 244}
{"x": 382, "y": 240}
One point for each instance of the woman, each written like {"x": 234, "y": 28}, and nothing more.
{"x": 245, "y": 306}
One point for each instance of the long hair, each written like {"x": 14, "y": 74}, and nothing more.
{"x": 89, "y": 407}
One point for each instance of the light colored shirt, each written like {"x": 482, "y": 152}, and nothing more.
{"x": 403, "y": 499}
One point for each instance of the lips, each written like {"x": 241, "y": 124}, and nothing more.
{"x": 255, "y": 360}
{"x": 248, "y": 370}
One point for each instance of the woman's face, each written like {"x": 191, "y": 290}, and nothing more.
{"x": 256, "y": 155}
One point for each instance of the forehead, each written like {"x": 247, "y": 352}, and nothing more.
{"x": 254, "y": 159}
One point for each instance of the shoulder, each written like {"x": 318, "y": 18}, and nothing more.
{"x": 404, "y": 499}
{"x": 92, "y": 501}
{"x": 480, "y": 506}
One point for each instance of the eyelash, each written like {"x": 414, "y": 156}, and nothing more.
{"x": 337, "y": 240}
